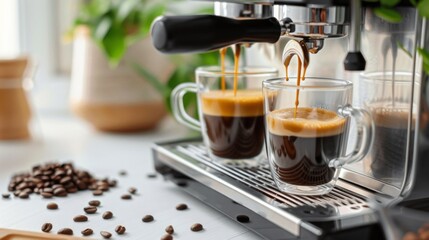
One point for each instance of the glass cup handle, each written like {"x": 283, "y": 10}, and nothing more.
{"x": 365, "y": 135}
{"x": 178, "y": 107}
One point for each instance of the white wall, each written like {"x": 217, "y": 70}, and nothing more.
{"x": 9, "y": 31}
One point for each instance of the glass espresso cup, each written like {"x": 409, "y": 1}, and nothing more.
{"x": 307, "y": 144}
{"x": 231, "y": 122}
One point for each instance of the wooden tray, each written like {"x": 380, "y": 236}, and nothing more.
{"x": 11, "y": 234}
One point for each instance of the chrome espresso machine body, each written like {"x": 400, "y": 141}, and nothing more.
{"x": 347, "y": 41}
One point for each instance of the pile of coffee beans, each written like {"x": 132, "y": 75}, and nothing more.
{"x": 56, "y": 179}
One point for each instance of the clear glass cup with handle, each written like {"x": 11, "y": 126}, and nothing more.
{"x": 307, "y": 144}
{"x": 231, "y": 122}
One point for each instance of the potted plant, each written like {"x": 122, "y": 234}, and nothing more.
{"x": 109, "y": 36}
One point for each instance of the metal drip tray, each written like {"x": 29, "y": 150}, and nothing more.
{"x": 252, "y": 187}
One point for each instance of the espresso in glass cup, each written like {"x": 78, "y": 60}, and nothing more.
{"x": 307, "y": 139}
{"x": 231, "y": 120}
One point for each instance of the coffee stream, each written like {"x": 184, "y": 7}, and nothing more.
{"x": 299, "y": 50}
{"x": 237, "y": 52}
{"x": 222, "y": 53}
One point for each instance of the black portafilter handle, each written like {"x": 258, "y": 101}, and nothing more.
{"x": 201, "y": 33}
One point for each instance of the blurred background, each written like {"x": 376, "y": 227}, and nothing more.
{"x": 92, "y": 59}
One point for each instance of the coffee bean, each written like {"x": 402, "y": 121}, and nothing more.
{"x": 16, "y": 193}
{"x": 148, "y": 218}
{"x": 23, "y": 195}
{"x": 181, "y": 207}
{"x": 46, "y": 195}
{"x": 243, "y": 218}
{"x": 126, "y": 196}
{"x": 80, "y": 218}
{"x": 132, "y": 190}
{"x": 105, "y": 234}
{"x": 196, "y": 227}
{"x": 169, "y": 229}
{"x": 46, "y": 227}
{"x": 97, "y": 193}
{"x": 123, "y": 173}
{"x": 52, "y": 206}
{"x": 65, "y": 180}
{"x": 120, "y": 229}
{"x": 72, "y": 189}
{"x": 87, "y": 232}
{"x": 113, "y": 183}
{"x": 151, "y": 175}
{"x": 94, "y": 203}
{"x": 167, "y": 237}
{"x": 60, "y": 192}
{"x": 107, "y": 215}
{"x": 65, "y": 231}
{"x": 90, "y": 209}
{"x": 5, "y": 195}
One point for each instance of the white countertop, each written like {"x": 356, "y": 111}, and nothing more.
{"x": 63, "y": 137}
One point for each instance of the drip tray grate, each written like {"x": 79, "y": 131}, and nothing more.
{"x": 253, "y": 187}
{"x": 259, "y": 178}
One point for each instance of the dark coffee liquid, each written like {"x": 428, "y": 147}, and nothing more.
{"x": 303, "y": 146}
{"x": 390, "y": 143}
{"x": 235, "y": 137}
{"x": 234, "y": 122}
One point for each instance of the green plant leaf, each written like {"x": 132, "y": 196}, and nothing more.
{"x": 102, "y": 28}
{"x": 125, "y": 9}
{"x": 401, "y": 46}
{"x": 414, "y": 2}
{"x": 387, "y": 14}
{"x": 423, "y": 7}
{"x": 389, "y": 3}
{"x": 113, "y": 44}
{"x": 425, "y": 55}
{"x": 151, "y": 79}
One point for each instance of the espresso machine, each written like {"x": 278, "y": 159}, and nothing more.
{"x": 348, "y": 41}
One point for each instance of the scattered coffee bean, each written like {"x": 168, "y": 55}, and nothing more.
{"x": 107, "y": 215}
{"x": 169, "y": 229}
{"x": 126, "y": 196}
{"x": 132, "y": 190}
{"x": 122, "y": 173}
{"x": 181, "y": 207}
{"x": 5, "y": 195}
{"x": 196, "y": 227}
{"x": 94, "y": 203}
{"x": 52, "y": 206}
{"x": 46, "y": 227}
{"x": 87, "y": 232}
{"x": 80, "y": 218}
{"x": 147, "y": 218}
{"x": 151, "y": 175}
{"x": 23, "y": 195}
{"x": 90, "y": 209}
{"x": 167, "y": 237}
{"x": 105, "y": 234}
{"x": 46, "y": 195}
{"x": 243, "y": 218}
{"x": 65, "y": 231}
{"x": 97, "y": 193}
{"x": 120, "y": 229}
{"x": 182, "y": 184}
{"x": 113, "y": 183}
